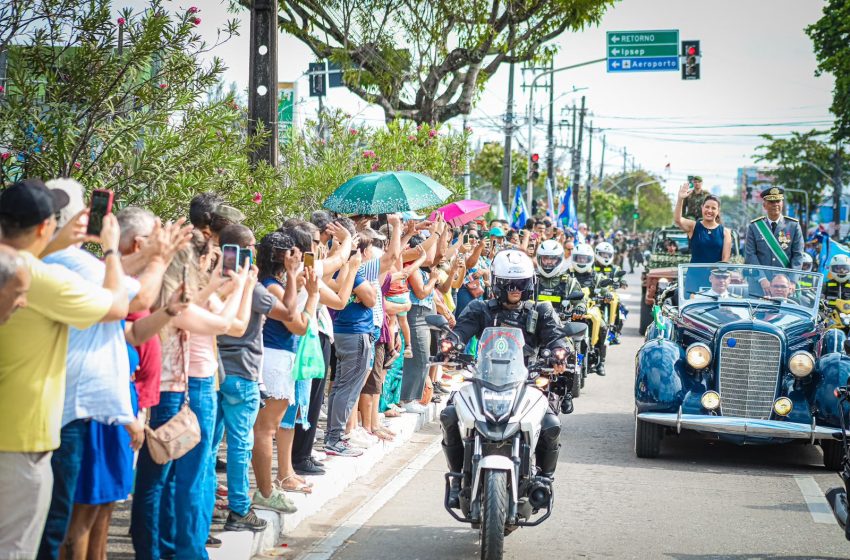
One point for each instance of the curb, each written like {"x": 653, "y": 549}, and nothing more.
{"x": 341, "y": 472}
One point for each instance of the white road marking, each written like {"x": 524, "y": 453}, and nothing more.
{"x": 818, "y": 506}
{"x": 325, "y": 548}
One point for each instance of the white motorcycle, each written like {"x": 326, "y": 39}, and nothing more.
{"x": 500, "y": 406}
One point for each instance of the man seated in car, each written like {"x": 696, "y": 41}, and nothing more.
{"x": 781, "y": 288}
{"x": 719, "y": 280}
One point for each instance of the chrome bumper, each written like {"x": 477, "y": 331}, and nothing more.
{"x": 740, "y": 426}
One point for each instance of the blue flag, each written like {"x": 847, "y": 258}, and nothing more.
{"x": 568, "y": 217}
{"x": 519, "y": 215}
{"x": 828, "y": 249}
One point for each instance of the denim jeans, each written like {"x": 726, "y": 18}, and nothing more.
{"x": 240, "y": 404}
{"x": 151, "y": 481}
{"x": 65, "y": 463}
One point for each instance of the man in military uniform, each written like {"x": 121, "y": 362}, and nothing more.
{"x": 693, "y": 204}
{"x": 774, "y": 239}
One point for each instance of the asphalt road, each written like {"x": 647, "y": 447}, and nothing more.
{"x": 701, "y": 499}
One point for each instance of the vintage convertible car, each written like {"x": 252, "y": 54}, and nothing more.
{"x": 741, "y": 363}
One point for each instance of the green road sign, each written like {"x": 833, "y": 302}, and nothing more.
{"x": 643, "y": 38}
{"x": 631, "y": 51}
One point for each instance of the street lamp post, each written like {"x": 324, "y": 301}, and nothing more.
{"x": 637, "y": 191}
{"x": 543, "y": 74}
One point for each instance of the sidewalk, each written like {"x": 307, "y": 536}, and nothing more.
{"x": 341, "y": 472}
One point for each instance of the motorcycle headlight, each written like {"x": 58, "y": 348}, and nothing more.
{"x": 497, "y": 404}
{"x": 698, "y": 355}
{"x": 801, "y": 364}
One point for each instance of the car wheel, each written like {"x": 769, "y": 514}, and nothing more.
{"x": 647, "y": 439}
{"x": 833, "y": 453}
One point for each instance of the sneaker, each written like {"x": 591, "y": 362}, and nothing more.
{"x": 247, "y": 522}
{"x": 319, "y": 457}
{"x": 414, "y": 407}
{"x": 364, "y": 434}
{"x": 356, "y": 439}
{"x": 276, "y": 501}
{"x": 308, "y": 467}
{"x": 342, "y": 449}
{"x": 213, "y": 542}
{"x": 438, "y": 388}
{"x": 320, "y": 433}
{"x": 323, "y": 412}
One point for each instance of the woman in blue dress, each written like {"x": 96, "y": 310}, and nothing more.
{"x": 709, "y": 241}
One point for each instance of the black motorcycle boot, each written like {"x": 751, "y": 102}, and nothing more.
{"x": 454, "y": 460}
{"x": 548, "y": 447}
{"x": 600, "y": 368}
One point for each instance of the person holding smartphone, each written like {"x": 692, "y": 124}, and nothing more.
{"x": 692, "y": 208}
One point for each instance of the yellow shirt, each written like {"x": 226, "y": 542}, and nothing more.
{"x": 33, "y": 349}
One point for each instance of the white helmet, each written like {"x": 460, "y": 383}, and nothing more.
{"x": 550, "y": 258}
{"x": 839, "y": 267}
{"x": 605, "y": 253}
{"x": 583, "y": 258}
{"x": 808, "y": 262}
{"x": 513, "y": 271}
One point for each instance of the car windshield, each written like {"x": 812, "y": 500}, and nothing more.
{"x": 666, "y": 239}
{"x": 500, "y": 357}
{"x": 740, "y": 283}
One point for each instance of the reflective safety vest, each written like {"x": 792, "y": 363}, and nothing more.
{"x": 836, "y": 290}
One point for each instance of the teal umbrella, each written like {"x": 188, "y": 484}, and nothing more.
{"x": 386, "y": 192}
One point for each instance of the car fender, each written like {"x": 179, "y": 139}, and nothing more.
{"x": 658, "y": 376}
{"x": 666, "y": 332}
{"x": 834, "y": 369}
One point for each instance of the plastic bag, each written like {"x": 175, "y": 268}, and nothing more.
{"x": 309, "y": 360}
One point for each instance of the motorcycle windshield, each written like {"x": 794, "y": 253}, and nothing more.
{"x": 500, "y": 357}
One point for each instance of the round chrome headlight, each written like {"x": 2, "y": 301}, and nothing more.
{"x": 710, "y": 400}
{"x": 698, "y": 355}
{"x": 801, "y": 363}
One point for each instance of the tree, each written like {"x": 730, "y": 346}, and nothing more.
{"x": 123, "y": 103}
{"x": 426, "y": 60}
{"x": 606, "y": 208}
{"x": 829, "y": 35}
{"x": 786, "y": 156}
{"x": 315, "y": 165}
{"x": 654, "y": 206}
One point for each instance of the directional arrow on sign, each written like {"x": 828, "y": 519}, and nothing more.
{"x": 615, "y": 39}
{"x": 615, "y": 52}
{"x": 615, "y": 64}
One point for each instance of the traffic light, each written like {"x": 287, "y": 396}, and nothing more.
{"x": 636, "y": 215}
{"x": 748, "y": 190}
{"x": 534, "y": 168}
{"x": 691, "y": 62}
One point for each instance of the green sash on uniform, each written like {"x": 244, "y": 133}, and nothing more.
{"x": 775, "y": 248}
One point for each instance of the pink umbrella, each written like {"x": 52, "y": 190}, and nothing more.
{"x": 462, "y": 212}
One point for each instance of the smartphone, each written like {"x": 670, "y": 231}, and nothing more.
{"x": 309, "y": 260}
{"x": 534, "y": 235}
{"x": 230, "y": 258}
{"x": 246, "y": 254}
{"x": 466, "y": 239}
{"x": 101, "y": 205}
{"x": 691, "y": 181}
{"x": 184, "y": 297}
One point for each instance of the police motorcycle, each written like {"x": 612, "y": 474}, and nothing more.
{"x": 556, "y": 286}
{"x": 594, "y": 285}
{"x": 612, "y": 309}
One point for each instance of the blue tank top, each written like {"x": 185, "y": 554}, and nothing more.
{"x": 275, "y": 333}
{"x": 429, "y": 300}
{"x": 706, "y": 244}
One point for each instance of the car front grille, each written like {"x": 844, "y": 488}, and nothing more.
{"x": 749, "y": 370}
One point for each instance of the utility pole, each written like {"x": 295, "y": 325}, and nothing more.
{"x": 577, "y": 153}
{"x": 262, "y": 80}
{"x": 550, "y": 149}
{"x": 625, "y": 159}
{"x": 509, "y": 134}
{"x": 602, "y": 161}
{"x": 589, "y": 167}
{"x": 836, "y": 194}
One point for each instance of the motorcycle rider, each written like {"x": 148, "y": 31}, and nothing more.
{"x": 589, "y": 279}
{"x": 554, "y": 282}
{"x": 512, "y": 306}
{"x": 838, "y": 282}
{"x": 605, "y": 255}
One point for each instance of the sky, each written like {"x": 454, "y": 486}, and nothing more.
{"x": 757, "y": 77}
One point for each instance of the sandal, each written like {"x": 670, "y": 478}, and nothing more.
{"x": 382, "y": 435}
{"x": 387, "y": 431}
{"x": 300, "y": 487}
{"x": 392, "y": 413}
{"x": 302, "y": 480}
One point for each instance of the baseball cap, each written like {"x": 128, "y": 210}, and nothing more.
{"x": 229, "y": 213}
{"x": 30, "y": 202}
